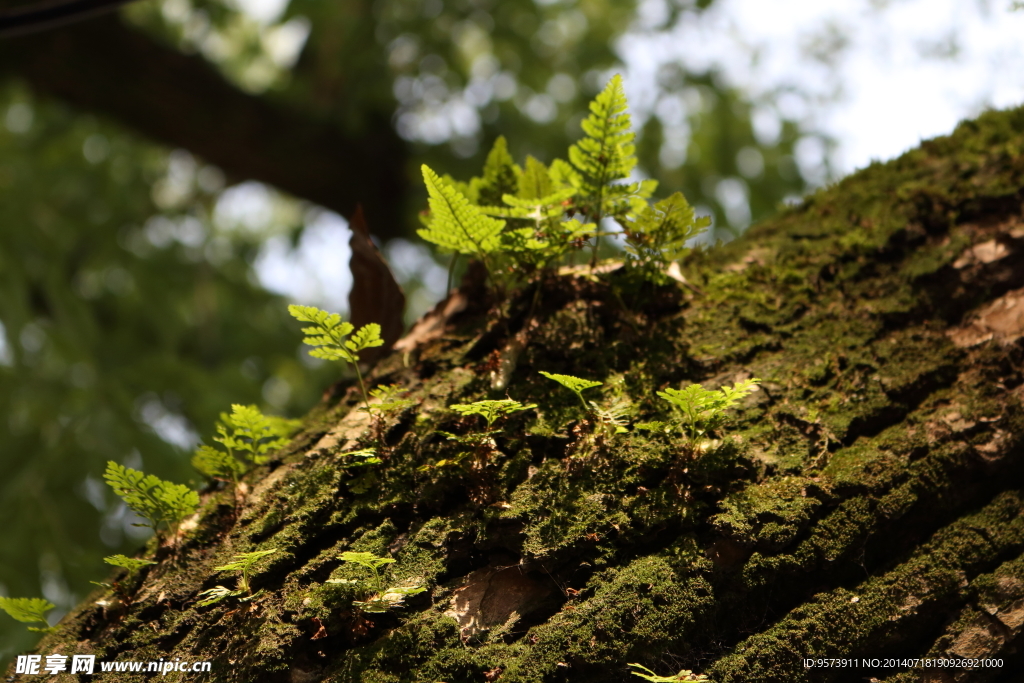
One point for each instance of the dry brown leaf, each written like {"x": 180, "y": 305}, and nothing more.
{"x": 375, "y": 296}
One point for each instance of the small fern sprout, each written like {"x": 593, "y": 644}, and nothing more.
{"x": 334, "y": 339}
{"x": 243, "y": 564}
{"x": 361, "y": 458}
{"x": 247, "y": 437}
{"x": 379, "y": 597}
{"x": 29, "y": 611}
{"x": 133, "y": 565}
{"x": 387, "y": 404}
{"x": 703, "y": 410}
{"x": 491, "y": 410}
{"x": 648, "y": 675}
{"x": 574, "y": 384}
{"x": 161, "y": 502}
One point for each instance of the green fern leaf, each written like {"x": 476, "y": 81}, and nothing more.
{"x": 455, "y": 224}
{"x": 157, "y": 500}
{"x": 576, "y": 385}
{"x": 604, "y": 155}
{"x": 130, "y": 563}
{"x": 491, "y": 410}
{"x": 500, "y": 177}
{"x": 243, "y": 562}
{"x": 28, "y": 611}
{"x": 216, "y": 464}
{"x": 367, "y": 336}
{"x": 659, "y": 233}
{"x": 535, "y": 181}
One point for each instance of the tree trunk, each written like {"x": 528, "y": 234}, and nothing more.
{"x": 865, "y": 503}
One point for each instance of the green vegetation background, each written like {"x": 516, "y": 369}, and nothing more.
{"x": 127, "y": 311}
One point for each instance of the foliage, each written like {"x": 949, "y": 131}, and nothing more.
{"x": 132, "y": 564}
{"x": 540, "y": 205}
{"x": 703, "y": 410}
{"x": 159, "y": 501}
{"x": 388, "y": 402}
{"x": 333, "y": 339}
{"x": 454, "y": 224}
{"x": 659, "y": 233}
{"x": 243, "y": 564}
{"x": 379, "y": 598}
{"x": 361, "y": 458}
{"x": 29, "y": 611}
{"x": 491, "y": 410}
{"x": 648, "y": 675}
{"x": 576, "y": 385}
{"x": 245, "y": 433}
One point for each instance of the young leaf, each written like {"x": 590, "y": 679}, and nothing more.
{"x": 491, "y": 410}
{"x": 500, "y": 177}
{"x": 155, "y": 499}
{"x": 659, "y": 233}
{"x": 130, "y": 563}
{"x": 217, "y": 464}
{"x": 573, "y": 384}
{"x": 605, "y": 154}
{"x": 328, "y": 337}
{"x": 365, "y": 456}
{"x": 243, "y": 562}
{"x": 367, "y": 336}
{"x": 704, "y": 409}
{"x": 455, "y": 224}
{"x": 216, "y": 594}
{"x": 368, "y": 560}
{"x": 29, "y": 611}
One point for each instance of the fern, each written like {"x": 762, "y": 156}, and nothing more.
{"x": 159, "y": 501}
{"x": 130, "y": 563}
{"x": 456, "y": 225}
{"x": 574, "y": 384}
{"x": 659, "y": 233}
{"x": 243, "y": 563}
{"x": 491, "y": 410}
{"x": 246, "y": 433}
{"x": 703, "y": 409}
{"x": 604, "y": 155}
{"x": 500, "y": 176}
{"x": 379, "y": 598}
{"x": 330, "y": 338}
{"x": 29, "y": 611}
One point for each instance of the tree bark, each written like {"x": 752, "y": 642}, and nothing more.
{"x": 105, "y": 67}
{"x": 865, "y": 504}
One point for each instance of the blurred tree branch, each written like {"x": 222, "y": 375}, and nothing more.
{"x": 106, "y": 67}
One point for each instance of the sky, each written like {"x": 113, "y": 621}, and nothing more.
{"x": 875, "y": 76}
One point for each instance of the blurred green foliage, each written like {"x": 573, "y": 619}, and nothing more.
{"x": 131, "y": 319}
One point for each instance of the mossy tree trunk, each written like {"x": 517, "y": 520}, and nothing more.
{"x": 866, "y": 503}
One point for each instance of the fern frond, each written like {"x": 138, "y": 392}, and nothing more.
{"x": 157, "y": 500}
{"x": 243, "y": 562}
{"x": 216, "y": 464}
{"x": 500, "y": 177}
{"x": 455, "y": 224}
{"x": 576, "y": 385}
{"x": 659, "y": 233}
{"x": 491, "y": 410}
{"x": 28, "y": 611}
{"x": 604, "y": 155}
{"x": 130, "y": 563}
{"x": 366, "y": 337}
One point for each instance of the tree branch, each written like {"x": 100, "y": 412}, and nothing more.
{"x": 46, "y": 15}
{"x": 181, "y": 100}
